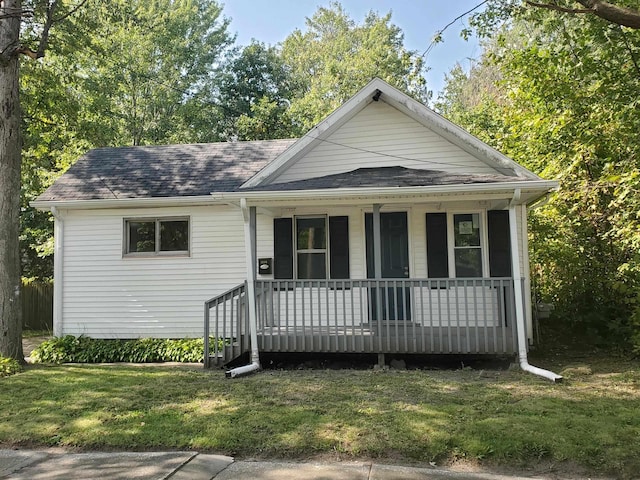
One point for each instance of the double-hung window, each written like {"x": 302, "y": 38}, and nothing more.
{"x": 311, "y": 247}
{"x": 156, "y": 236}
{"x": 467, "y": 245}
{"x": 460, "y": 244}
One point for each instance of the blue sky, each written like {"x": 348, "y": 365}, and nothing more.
{"x": 271, "y": 21}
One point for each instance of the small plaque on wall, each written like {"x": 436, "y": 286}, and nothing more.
{"x": 265, "y": 266}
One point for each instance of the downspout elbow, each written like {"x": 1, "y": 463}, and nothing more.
{"x": 524, "y": 365}
{"x": 244, "y": 370}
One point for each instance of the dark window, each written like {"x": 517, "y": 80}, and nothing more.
{"x": 339, "y": 247}
{"x": 499, "y": 243}
{"x": 283, "y": 248}
{"x": 155, "y": 236}
{"x": 437, "y": 250}
{"x": 174, "y": 236}
{"x": 142, "y": 236}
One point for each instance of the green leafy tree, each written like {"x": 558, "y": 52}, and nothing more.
{"x": 567, "y": 107}
{"x": 148, "y": 75}
{"x": 335, "y": 57}
{"x": 282, "y": 91}
{"x": 255, "y": 92}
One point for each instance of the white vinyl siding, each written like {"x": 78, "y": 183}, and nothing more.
{"x": 395, "y": 140}
{"x": 108, "y": 296}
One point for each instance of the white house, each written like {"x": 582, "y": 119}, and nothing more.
{"x": 385, "y": 229}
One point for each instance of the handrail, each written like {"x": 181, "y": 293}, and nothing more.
{"x": 231, "y": 291}
{"x": 235, "y": 292}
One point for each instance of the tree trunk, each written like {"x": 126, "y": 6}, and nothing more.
{"x": 10, "y": 159}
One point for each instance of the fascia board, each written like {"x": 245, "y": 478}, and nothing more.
{"x": 125, "y": 203}
{"x": 537, "y": 187}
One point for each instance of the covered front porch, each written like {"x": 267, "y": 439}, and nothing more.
{"x": 417, "y": 316}
{"x": 413, "y": 274}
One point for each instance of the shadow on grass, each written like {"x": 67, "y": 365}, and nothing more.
{"x": 510, "y": 418}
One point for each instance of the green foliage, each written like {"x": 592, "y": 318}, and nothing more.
{"x": 70, "y": 349}
{"x": 565, "y": 103}
{"x": 255, "y": 89}
{"x": 9, "y": 366}
{"x": 335, "y": 57}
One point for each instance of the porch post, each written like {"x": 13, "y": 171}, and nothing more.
{"x": 249, "y": 217}
{"x": 517, "y": 284}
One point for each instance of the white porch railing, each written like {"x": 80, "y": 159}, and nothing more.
{"x": 425, "y": 316}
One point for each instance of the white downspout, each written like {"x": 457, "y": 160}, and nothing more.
{"x": 248, "y": 217}
{"x": 519, "y": 299}
{"x": 58, "y": 270}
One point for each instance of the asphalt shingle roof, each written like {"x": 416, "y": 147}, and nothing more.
{"x": 163, "y": 171}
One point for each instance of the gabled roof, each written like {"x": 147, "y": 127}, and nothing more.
{"x": 191, "y": 173}
{"x": 379, "y": 90}
{"x": 163, "y": 171}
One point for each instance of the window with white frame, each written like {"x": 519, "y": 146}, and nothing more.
{"x": 311, "y": 247}
{"x": 467, "y": 245}
{"x": 156, "y": 236}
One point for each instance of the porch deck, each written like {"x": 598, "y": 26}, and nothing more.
{"x": 414, "y": 316}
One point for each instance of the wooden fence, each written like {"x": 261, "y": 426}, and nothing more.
{"x": 37, "y": 306}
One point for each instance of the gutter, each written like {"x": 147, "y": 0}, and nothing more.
{"x": 201, "y": 200}
{"x": 249, "y": 217}
{"x": 359, "y": 192}
{"x": 519, "y": 301}
{"x": 58, "y": 270}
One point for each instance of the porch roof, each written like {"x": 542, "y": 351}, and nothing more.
{"x": 385, "y": 177}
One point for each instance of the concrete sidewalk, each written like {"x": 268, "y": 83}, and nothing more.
{"x": 53, "y": 465}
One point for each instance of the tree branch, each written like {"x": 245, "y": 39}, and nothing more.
{"x": 14, "y": 13}
{"x": 44, "y": 38}
{"x": 50, "y": 21}
{"x": 624, "y": 16}
{"x": 71, "y": 12}
{"x": 558, "y": 8}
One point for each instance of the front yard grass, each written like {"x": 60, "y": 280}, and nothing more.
{"x": 591, "y": 421}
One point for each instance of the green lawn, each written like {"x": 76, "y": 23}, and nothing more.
{"x": 493, "y": 417}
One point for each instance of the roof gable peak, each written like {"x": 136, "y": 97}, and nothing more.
{"x": 379, "y": 90}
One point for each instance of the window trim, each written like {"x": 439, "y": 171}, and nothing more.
{"x": 157, "y": 252}
{"x": 325, "y": 251}
{"x": 451, "y": 248}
